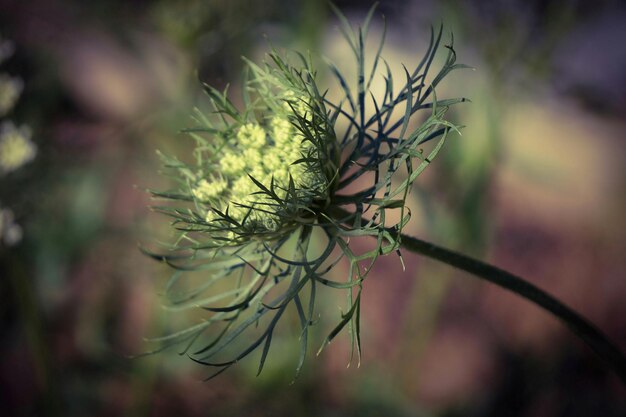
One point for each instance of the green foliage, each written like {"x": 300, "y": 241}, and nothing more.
{"x": 253, "y": 269}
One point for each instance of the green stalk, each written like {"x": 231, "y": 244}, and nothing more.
{"x": 590, "y": 334}
{"x": 585, "y": 330}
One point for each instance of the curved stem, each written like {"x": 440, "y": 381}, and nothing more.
{"x": 590, "y": 334}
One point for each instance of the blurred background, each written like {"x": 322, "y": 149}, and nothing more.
{"x": 536, "y": 184}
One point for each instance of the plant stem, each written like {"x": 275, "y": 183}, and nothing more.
{"x": 590, "y": 334}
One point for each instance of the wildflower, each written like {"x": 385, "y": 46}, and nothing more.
{"x": 6, "y": 49}
{"x": 10, "y": 90}
{"x": 16, "y": 148}
{"x": 10, "y": 231}
{"x": 269, "y": 177}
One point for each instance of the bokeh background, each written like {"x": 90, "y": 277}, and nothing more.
{"x": 536, "y": 184}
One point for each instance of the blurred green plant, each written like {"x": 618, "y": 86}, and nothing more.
{"x": 268, "y": 178}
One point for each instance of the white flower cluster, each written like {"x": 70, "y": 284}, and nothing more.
{"x": 10, "y": 90}
{"x": 268, "y": 154}
{"x": 16, "y": 148}
{"x": 10, "y": 231}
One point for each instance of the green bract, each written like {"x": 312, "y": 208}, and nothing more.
{"x": 289, "y": 167}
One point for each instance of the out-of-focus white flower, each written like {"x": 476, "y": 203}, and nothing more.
{"x": 6, "y": 49}
{"x": 10, "y": 90}
{"x": 16, "y": 148}
{"x": 10, "y": 232}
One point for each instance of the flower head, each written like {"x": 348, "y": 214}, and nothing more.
{"x": 10, "y": 231}
{"x": 265, "y": 166}
{"x": 270, "y": 177}
{"x": 16, "y": 148}
{"x": 10, "y": 90}
{"x": 6, "y": 49}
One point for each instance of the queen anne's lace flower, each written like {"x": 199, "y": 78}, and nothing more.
{"x": 268, "y": 165}
{"x": 273, "y": 175}
{"x": 16, "y": 148}
{"x": 10, "y": 90}
{"x": 10, "y": 231}
{"x": 258, "y": 155}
